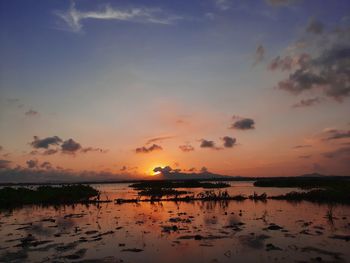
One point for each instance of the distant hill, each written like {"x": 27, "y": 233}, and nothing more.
{"x": 313, "y": 175}
{"x": 192, "y": 176}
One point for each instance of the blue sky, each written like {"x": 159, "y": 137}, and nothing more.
{"x": 113, "y": 74}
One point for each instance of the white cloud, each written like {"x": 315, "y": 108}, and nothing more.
{"x": 223, "y": 4}
{"x": 74, "y": 18}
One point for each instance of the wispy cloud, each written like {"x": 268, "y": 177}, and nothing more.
{"x": 223, "y": 4}
{"x": 159, "y": 139}
{"x": 74, "y": 18}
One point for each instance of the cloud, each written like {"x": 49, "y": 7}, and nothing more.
{"x": 46, "y": 142}
{"x": 1, "y": 148}
{"x": 325, "y": 70}
{"x": 67, "y": 146}
{"x": 4, "y": 164}
{"x": 243, "y": 124}
{"x": 259, "y": 54}
{"x": 74, "y": 18}
{"x": 223, "y": 4}
{"x": 338, "y": 153}
{"x": 208, "y": 144}
{"x": 306, "y": 103}
{"x": 46, "y": 165}
{"x": 159, "y": 139}
{"x": 281, "y": 2}
{"x": 145, "y": 149}
{"x": 165, "y": 170}
{"x": 50, "y": 151}
{"x": 92, "y": 149}
{"x": 186, "y": 148}
{"x": 229, "y": 142}
{"x": 70, "y": 146}
{"x": 315, "y": 27}
{"x": 336, "y": 134}
{"x": 302, "y": 146}
{"x": 32, "y": 164}
{"x": 289, "y": 62}
{"x": 31, "y": 113}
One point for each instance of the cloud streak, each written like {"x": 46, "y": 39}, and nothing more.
{"x": 74, "y": 18}
{"x": 306, "y": 103}
{"x": 145, "y": 149}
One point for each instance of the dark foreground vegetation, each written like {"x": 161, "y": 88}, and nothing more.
{"x": 178, "y": 184}
{"x": 321, "y": 190}
{"x": 46, "y": 195}
{"x": 208, "y": 195}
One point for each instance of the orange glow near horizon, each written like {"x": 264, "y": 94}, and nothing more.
{"x": 150, "y": 171}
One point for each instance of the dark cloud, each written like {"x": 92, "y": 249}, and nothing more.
{"x": 32, "y": 164}
{"x": 70, "y": 146}
{"x": 243, "y": 124}
{"x": 288, "y": 62}
{"x": 92, "y": 149}
{"x": 259, "y": 54}
{"x": 302, "y": 146}
{"x": 315, "y": 27}
{"x": 144, "y": 149}
{"x": 336, "y": 134}
{"x": 186, "y": 148}
{"x": 329, "y": 72}
{"x": 46, "y": 142}
{"x": 306, "y": 103}
{"x": 338, "y": 153}
{"x": 208, "y": 144}
{"x": 4, "y": 164}
{"x": 164, "y": 171}
{"x": 50, "y": 151}
{"x": 229, "y": 142}
{"x": 159, "y": 139}
{"x": 31, "y": 112}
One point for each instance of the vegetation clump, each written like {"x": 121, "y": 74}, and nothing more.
{"x": 65, "y": 194}
{"x": 160, "y": 192}
{"x": 321, "y": 190}
{"x": 178, "y": 184}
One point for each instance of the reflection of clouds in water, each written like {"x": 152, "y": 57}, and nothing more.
{"x": 233, "y": 220}
{"x": 210, "y": 219}
{"x": 253, "y": 241}
{"x": 65, "y": 223}
{"x": 40, "y": 229}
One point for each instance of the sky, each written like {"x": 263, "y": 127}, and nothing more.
{"x": 113, "y": 89}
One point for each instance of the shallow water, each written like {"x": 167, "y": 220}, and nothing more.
{"x": 226, "y": 231}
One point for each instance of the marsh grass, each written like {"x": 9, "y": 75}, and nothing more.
{"x": 320, "y": 190}
{"x": 178, "y": 184}
{"x": 64, "y": 194}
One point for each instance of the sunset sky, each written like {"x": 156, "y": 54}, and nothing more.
{"x": 117, "y": 88}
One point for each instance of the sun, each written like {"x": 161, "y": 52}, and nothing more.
{"x": 151, "y": 171}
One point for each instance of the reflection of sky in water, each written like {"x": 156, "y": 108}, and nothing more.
{"x": 113, "y": 191}
{"x": 176, "y": 232}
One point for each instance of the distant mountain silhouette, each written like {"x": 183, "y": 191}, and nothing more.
{"x": 168, "y": 174}
{"x": 313, "y": 175}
